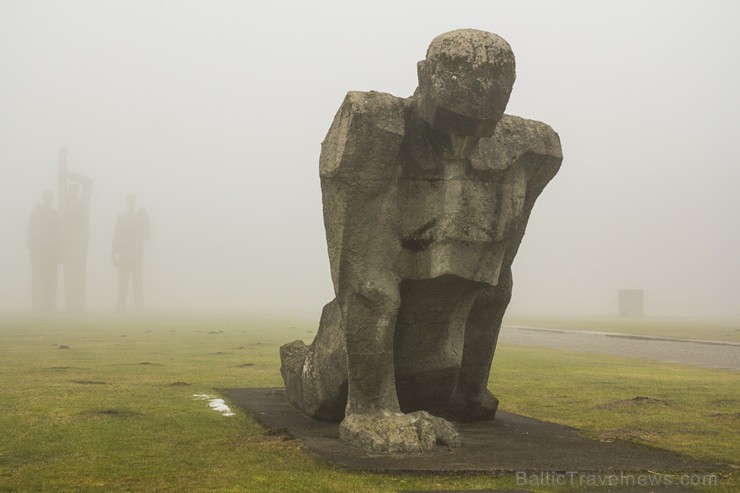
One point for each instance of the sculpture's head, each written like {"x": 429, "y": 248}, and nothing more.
{"x": 465, "y": 82}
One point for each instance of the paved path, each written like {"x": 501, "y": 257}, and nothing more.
{"x": 709, "y": 354}
{"x": 503, "y": 445}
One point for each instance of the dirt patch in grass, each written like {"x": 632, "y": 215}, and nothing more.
{"x": 180, "y": 384}
{"x": 272, "y": 435}
{"x": 89, "y": 382}
{"x": 281, "y": 433}
{"x": 635, "y": 401}
{"x": 729, "y": 417}
{"x": 628, "y": 434}
{"x": 116, "y": 413}
{"x": 110, "y": 413}
{"x": 725, "y": 402}
{"x": 60, "y": 368}
{"x": 244, "y": 365}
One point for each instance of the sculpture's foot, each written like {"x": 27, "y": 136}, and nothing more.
{"x": 397, "y": 433}
{"x": 480, "y": 409}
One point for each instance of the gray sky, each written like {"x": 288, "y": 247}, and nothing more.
{"x": 212, "y": 112}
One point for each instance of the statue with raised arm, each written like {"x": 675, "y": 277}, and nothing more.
{"x": 127, "y": 254}
{"x": 426, "y": 200}
{"x": 43, "y": 245}
{"x": 75, "y": 192}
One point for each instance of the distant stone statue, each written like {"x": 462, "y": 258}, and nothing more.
{"x": 132, "y": 228}
{"x": 631, "y": 302}
{"x": 425, "y": 203}
{"x": 44, "y": 247}
{"x": 75, "y": 192}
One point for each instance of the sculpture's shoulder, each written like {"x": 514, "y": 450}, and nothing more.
{"x": 384, "y": 108}
{"x": 518, "y": 139}
{"x": 365, "y": 137}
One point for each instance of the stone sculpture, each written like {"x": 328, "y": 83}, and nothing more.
{"x": 425, "y": 203}
{"x": 127, "y": 254}
{"x": 43, "y": 241}
{"x": 75, "y": 192}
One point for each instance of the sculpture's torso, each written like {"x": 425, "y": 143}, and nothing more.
{"x": 454, "y": 206}
{"x": 457, "y": 203}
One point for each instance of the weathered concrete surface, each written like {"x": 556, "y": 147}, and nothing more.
{"x": 426, "y": 200}
{"x": 507, "y": 444}
{"x": 418, "y": 431}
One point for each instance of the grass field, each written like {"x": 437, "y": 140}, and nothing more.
{"x": 712, "y": 329}
{"x": 97, "y": 403}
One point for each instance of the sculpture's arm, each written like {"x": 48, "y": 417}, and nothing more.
{"x": 522, "y": 157}
{"x": 526, "y": 155}
{"x": 542, "y": 160}
{"x": 537, "y": 163}
{"x": 359, "y": 165}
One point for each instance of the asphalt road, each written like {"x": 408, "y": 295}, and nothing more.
{"x": 708, "y": 354}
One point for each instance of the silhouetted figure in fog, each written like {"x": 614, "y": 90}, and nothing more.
{"x": 43, "y": 244}
{"x": 132, "y": 228}
{"x": 74, "y": 207}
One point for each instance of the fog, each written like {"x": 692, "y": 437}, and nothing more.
{"x": 212, "y": 113}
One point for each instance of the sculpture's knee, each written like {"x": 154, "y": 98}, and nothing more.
{"x": 292, "y": 358}
{"x": 371, "y": 311}
{"x": 315, "y": 376}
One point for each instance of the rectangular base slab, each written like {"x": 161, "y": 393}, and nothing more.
{"x": 509, "y": 443}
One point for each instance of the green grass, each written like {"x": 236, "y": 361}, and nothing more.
{"x": 713, "y": 329}
{"x": 138, "y": 428}
{"x": 693, "y": 411}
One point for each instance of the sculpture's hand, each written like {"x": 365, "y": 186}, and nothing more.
{"x": 385, "y": 432}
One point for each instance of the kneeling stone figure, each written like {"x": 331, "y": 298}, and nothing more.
{"x": 425, "y": 200}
